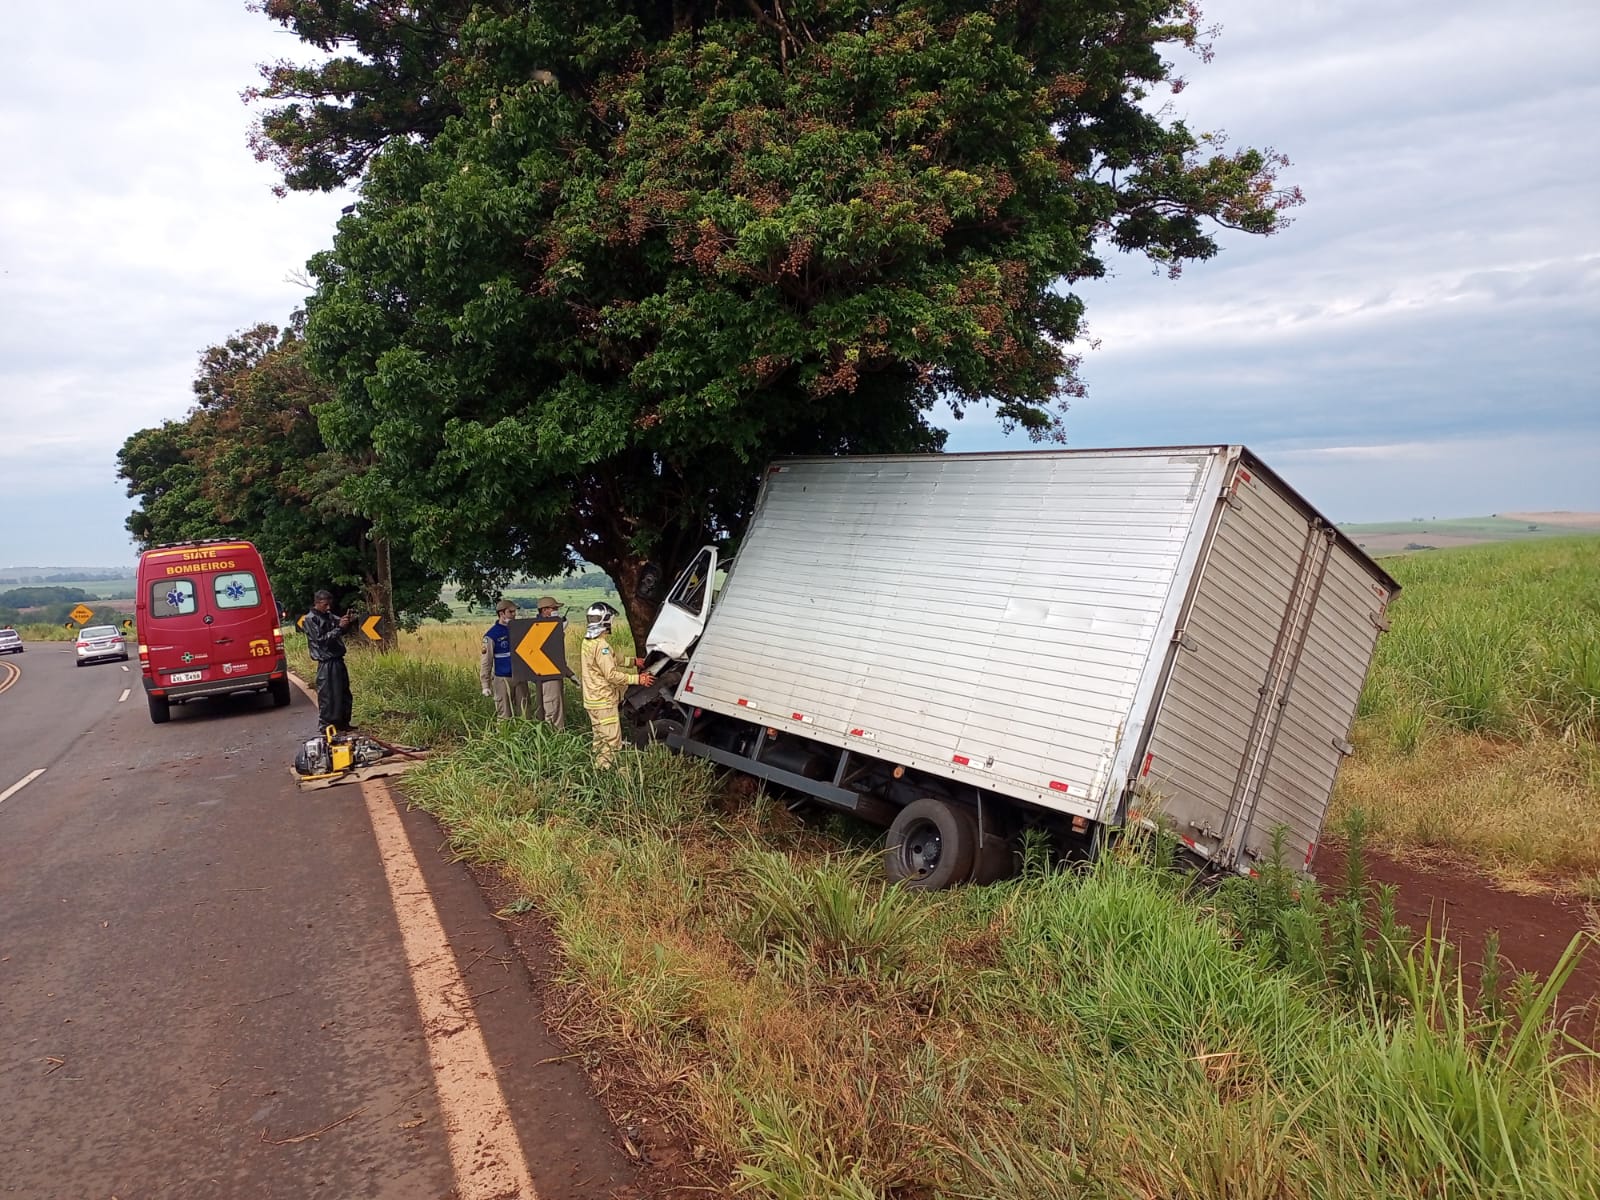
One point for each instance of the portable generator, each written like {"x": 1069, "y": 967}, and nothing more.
{"x": 333, "y": 753}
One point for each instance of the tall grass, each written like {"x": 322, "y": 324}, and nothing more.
{"x": 39, "y": 632}
{"x": 1479, "y": 729}
{"x": 1498, "y": 639}
{"x": 428, "y": 693}
{"x": 1065, "y": 1034}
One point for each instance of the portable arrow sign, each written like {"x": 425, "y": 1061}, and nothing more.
{"x": 539, "y": 649}
{"x": 300, "y": 624}
{"x": 82, "y": 613}
{"x": 370, "y": 628}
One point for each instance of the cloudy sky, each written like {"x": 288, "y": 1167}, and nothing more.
{"x": 1421, "y": 341}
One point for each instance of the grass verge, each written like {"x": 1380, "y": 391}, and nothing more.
{"x": 1095, "y": 1034}
{"x": 1065, "y": 1034}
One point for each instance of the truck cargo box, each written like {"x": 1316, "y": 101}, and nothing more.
{"x": 1167, "y": 634}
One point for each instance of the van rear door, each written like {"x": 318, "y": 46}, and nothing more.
{"x": 241, "y": 616}
{"x": 209, "y": 621}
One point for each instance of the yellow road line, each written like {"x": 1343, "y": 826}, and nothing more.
{"x": 9, "y": 674}
{"x": 485, "y": 1152}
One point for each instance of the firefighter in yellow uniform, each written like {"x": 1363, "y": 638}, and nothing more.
{"x": 605, "y": 681}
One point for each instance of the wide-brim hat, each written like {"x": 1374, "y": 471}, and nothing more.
{"x": 547, "y": 602}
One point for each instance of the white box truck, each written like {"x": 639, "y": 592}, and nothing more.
{"x": 965, "y": 646}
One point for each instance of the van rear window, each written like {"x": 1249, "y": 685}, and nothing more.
{"x": 236, "y": 589}
{"x": 172, "y": 598}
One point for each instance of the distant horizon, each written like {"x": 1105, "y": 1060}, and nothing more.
{"x": 1512, "y": 514}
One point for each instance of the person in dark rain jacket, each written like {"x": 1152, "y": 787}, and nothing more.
{"x": 325, "y": 640}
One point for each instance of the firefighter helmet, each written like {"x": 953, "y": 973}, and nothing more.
{"x": 599, "y": 618}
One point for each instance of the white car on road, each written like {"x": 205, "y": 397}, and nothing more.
{"x": 101, "y": 641}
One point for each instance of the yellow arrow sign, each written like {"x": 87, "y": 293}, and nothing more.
{"x": 542, "y": 647}
{"x": 300, "y": 624}
{"x": 370, "y": 628}
{"x": 82, "y": 613}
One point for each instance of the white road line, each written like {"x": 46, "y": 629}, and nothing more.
{"x": 124, "y": 666}
{"x": 20, "y": 784}
{"x": 124, "y": 696}
{"x": 484, "y": 1150}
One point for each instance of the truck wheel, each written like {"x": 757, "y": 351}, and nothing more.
{"x": 280, "y": 693}
{"x": 994, "y": 861}
{"x": 653, "y": 729}
{"x": 160, "y": 709}
{"x": 931, "y": 845}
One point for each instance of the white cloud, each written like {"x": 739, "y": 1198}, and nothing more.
{"x": 1428, "y": 326}
{"x": 135, "y": 230}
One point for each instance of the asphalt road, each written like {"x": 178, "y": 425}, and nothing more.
{"x": 203, "y": 986}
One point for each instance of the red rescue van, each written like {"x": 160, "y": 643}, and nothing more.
{"x": 208, "y": 625}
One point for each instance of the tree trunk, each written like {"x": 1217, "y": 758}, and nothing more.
{"x": 385, "y": 596}
{"x": 641, "y": 613}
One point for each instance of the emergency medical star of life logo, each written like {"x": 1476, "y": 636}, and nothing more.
{"x": 175, "y": 598}
{"x": 188, "y": 657}
{"x": 235, "y": 591}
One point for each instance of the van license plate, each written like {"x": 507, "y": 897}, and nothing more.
{"x": 185, "y": 676}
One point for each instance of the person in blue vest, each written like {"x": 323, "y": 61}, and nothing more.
{"x": 494, "y": 666}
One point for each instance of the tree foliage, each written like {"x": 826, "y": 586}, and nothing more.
{"x": 609, "y": 259}
{"x": 249, "y": 461}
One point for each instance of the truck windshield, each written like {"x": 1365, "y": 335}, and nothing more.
{"x": 690, "y": 592}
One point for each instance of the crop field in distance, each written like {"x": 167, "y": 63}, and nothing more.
{"x": 1396, "y": 537}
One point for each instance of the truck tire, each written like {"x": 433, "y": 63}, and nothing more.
{"x": 654, "y": 729}
{"x": 931, "y": 845}
{"x": 280, "y": 693}
{"x": 994, "y": 861}
{"x": 160, "y": 709}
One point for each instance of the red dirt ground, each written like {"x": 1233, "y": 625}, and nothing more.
{"x": 1534, "y": 930}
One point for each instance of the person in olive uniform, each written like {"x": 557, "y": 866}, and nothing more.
{"x": 552, "y": 699}
{"x": 494, "y": 666}
{"x": 325, "y": 641}
{"x": 605, "y": 682}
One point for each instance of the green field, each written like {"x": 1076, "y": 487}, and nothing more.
{"x": 1400, "y": 537}
{"x": 1479, "y": 729}
{"x": 573, "y": 600}
{"x": 98, "y": 589}
{"x": 1487, "y": 528}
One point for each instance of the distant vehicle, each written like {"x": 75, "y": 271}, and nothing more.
{"x": 10, "y": 641}
{"x": 208, "y": 625}
{"x": 101, "y": 642}
{"x": 966, "y": 648}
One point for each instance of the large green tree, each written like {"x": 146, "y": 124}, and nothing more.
{"x": 249, "y": 461}
{"x": 609, "y": 259}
